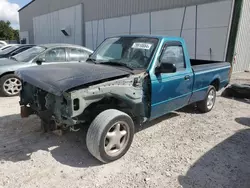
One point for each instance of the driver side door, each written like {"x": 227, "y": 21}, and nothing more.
{"x": 171, "y": 91}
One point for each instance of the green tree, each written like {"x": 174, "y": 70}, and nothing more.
{"x": 7, "y": 32}
{"x": 16, "y": 35}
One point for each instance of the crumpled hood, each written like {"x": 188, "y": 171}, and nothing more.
{"x": 58, "y": 78}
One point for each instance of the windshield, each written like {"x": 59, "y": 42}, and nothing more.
{"x": 10, "y": 49}
{"x": 132, "y": 52}
{"x": 29, "y": 54}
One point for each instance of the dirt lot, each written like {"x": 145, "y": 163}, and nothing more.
{"x": 183, "y": 149}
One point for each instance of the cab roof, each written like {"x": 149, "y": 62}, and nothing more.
{"x": 153, "y": 36}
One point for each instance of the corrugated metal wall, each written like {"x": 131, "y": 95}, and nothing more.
{"x": 101, "y": 9}
{"x": 47, "y": 27}
{"x": 242, "y": 47}
{"x": 98, "y": 9}
{"x": 38, "y": 8}
{"x": 206, "y": 38}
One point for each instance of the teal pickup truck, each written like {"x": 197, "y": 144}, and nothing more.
{"x": 128, "y": 80}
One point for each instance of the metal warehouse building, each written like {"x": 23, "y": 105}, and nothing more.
{"x": 213, "y": 29}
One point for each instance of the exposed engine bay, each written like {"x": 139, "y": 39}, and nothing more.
{"x": 82, "y": 105}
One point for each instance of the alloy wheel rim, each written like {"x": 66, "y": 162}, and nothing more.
{"x": 117, "y": 139}
{"x": 211, "y": 99}
{"x": 12, "y": 86}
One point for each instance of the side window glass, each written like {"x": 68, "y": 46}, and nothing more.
{"x": 174, "y": 54}
{"x": 78, "y": 55}
{"x": 56, "y": 55}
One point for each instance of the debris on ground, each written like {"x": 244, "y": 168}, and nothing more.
{"x": 241, "y": 91}
{"x": 182, "y": 149}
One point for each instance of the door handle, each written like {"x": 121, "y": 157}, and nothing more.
{"x": 187, "y": 77}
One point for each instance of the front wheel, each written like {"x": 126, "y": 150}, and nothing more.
{"x": 110, "y": 135}
{"x": 208, "y": 103}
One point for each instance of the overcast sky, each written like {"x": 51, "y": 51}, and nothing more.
{"x": 9, "y": 10}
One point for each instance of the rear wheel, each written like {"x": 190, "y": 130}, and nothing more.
{"x": 208, "y": 103}
{"x": 10, "y": 85}
{"x": 110, "y": 135}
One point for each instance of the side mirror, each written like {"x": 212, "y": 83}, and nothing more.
{"x": 39, "y": 61}
{"x": 165, "y": 68}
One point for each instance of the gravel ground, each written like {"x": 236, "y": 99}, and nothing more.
{"x": 183, "y": 149}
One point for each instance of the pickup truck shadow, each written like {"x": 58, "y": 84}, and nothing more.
{"x": 190, "y": 109}
{"x": 20, "y": 138}
{"x": 139, "y": 128}
{"x": 225, "y": 165}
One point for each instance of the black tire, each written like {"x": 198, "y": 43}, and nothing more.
{"x": 203, "y": 105}
{"x": 98, "y": 130}
{"x": 3, "y": 91}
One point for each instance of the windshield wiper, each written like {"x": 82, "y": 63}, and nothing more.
{"x": 115, "y": 63}
{"x": 91, "y": 59}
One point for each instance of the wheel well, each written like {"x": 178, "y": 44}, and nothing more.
{"x": 6, "y": 73}
{"x": 106, "y": 103}
{"x": 216, "y": 84}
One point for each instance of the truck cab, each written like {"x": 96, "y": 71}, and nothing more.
{"x": 184, "y": 83}
{"x": 171, "y": 77}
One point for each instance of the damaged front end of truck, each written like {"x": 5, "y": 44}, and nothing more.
{"x": 76, "y": 93}
{"x": 82, "y": 104}
{"x": 109, "y": 93}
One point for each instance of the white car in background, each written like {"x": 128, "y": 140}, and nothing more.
{"x": 3, "y": 43}
{"x": 6, "y": 46}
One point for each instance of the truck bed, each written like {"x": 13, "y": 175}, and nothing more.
{"x": 207, "y": 72}
{"x": 200, "y": 65}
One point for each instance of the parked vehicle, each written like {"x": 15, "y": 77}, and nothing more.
{"x": 14, "y": 50}
{"x": 10, "y": 84}
{"x": 3, "y": 43}
{"x": 6, "y": 46}
{"x": 127, "y": 80}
